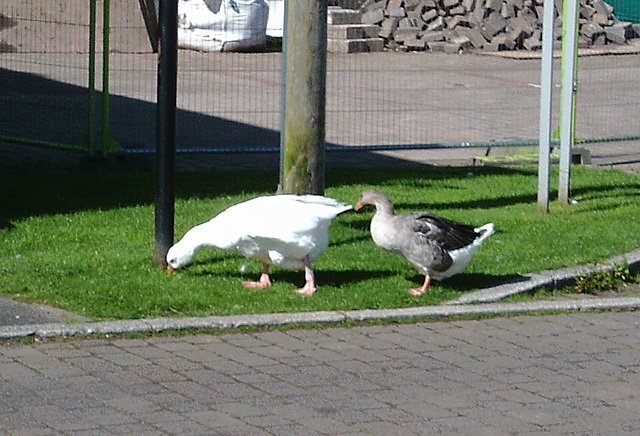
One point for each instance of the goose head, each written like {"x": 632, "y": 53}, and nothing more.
{"x": 373, "y": 197}
{"x": 179, "y": 255}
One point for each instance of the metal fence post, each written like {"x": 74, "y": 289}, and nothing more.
{"x": 109, "y": 144}
{"x": 166, "y": 129}
{"x": 567, "y": 131}
{"x": 91, "y": 127}
{"x": 546, "y": 95}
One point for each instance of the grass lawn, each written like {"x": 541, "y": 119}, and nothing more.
{"x": 84, "y": 242}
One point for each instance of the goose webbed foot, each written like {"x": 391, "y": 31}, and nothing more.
{"x": 310, "y": 286}
{"x": 264, "y": 281}
{"x": 421, "y": 290}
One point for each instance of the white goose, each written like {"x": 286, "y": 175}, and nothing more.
{"x": 435, "y": 246}
{"x": 289, "y": 231}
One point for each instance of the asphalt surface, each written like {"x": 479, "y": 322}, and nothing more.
{"x": 14, "y": 313}
{"x": 573, "y": 372}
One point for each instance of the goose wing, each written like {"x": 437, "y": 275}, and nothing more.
{"x": 446, "y": 233}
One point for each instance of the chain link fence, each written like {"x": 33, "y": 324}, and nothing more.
{"x": 52, "y": 83}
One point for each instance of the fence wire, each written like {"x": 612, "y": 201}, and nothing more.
{"x": 232, "y": 100}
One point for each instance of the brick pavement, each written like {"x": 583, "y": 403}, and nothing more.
{"x": 558, "y": 374}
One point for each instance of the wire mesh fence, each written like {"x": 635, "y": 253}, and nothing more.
{"x": 232, "y": 100}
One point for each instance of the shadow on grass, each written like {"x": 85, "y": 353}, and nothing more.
{"x": 464, "y": 282}
{"x": 25, "y": 195}
{"x": 132, "y": 123}
{"x": 133, "y": 126}
{"x": 326, "y": 277}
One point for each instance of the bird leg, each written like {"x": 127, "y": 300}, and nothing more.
{"x": 264, "y": 279}
{"x": 310, "y": 285}
{"x": 419, "y": 291}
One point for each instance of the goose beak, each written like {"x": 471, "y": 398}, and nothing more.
{"x": 358, "y": 206}
{"x": 170, "y": 269}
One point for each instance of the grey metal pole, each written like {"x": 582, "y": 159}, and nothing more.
{"x": 166, "y": 129}
{"x": 305, "y": 97}
{"x": 546, "y": 95}
{"x": 568, "y": 97}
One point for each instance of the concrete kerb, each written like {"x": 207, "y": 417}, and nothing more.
{"x": 551, "y": 279}
{"x": 226, "y": 322}
{"x": 484, "y": 299}
{"x": 495, "y": 308}
{"x": 164, "y": 324}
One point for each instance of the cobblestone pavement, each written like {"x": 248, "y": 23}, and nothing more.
{"x": 558, "y": 374}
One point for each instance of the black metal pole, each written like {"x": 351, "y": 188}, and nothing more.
{"x": 166, "y": 129}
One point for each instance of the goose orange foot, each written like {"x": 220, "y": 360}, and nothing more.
{"x": 421, "y": 290}
{"x": 310, "y": 285}
{"x": 264, "y": 279}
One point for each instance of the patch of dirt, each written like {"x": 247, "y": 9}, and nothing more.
{"x": 7, "y": 22}
{"x": 623, "y": 290}
{"x": 7, "y": 48}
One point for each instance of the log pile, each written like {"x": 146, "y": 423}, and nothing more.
{"x": 492, "y": 25}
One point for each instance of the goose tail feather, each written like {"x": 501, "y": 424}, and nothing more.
{"x": 484, "y": 231}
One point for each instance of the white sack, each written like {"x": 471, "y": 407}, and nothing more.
{"x": 216, "y": 25}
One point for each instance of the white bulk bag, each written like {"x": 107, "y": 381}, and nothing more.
{"x": 217, "y": 25}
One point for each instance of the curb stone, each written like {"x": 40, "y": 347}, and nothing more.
{"x": 496, "y": 308}
{"x": 485, "y": 304}
{"x": 213, "y": 322}
{"x": 551, "y": 279}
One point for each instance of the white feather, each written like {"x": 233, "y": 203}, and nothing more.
{"x": 462, "y": 256}
{"x": 280, "y": 230}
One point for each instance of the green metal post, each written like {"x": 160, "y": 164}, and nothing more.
{"x": 109, "y": 144}
{"x": 91, "y": 141}
{"x": 569, "y": 90}
{"x": 557, "y": 133}
{"x": 283, "y": 97}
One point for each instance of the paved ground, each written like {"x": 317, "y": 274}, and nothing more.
{"x": 562, "y": 374}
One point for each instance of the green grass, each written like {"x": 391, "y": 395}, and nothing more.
{"x": 84, "y": 242}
